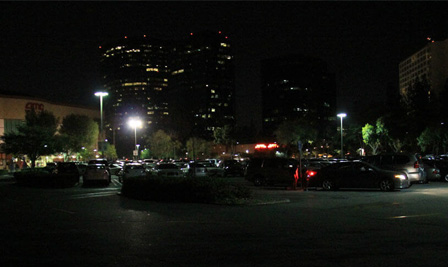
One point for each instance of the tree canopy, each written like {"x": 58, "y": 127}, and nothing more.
{"x": 78, "y": 132}
{"x": 34, "y": 138}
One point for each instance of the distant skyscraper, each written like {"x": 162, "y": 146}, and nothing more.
{"x": 295, "y": 87}
{"x": 430, "y": 63}
{"x": 135, "y": 73}
{"x": 185, "y": 86}
{"x": 202, "y": 85}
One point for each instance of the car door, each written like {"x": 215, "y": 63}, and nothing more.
{"x": 364, "y": 176}
{"x": 344, "y": 175}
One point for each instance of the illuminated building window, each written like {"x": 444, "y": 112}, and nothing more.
{"x": 134, "y": 84}
{"x": 213, "y": 110}
{"x": 177, "y": 72}
{"x": 152, "y": 69}
{"x": 221, "y": 62}
{"x": 225, "y": 45}
{"x": 150, "y": 112}
{"x": 165, "y": 113}
{"x": 212, "y": 91}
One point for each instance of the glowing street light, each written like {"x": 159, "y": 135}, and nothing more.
{"x": 342, "y": 116}
{"x": 134, "y": 123}
{"x": 101, "y": 94}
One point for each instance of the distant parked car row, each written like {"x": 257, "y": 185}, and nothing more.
{"x": 384, "y": 172}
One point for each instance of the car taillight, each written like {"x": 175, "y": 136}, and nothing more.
{"x": 416, "y": 165}
{"x": 310, "y": 173}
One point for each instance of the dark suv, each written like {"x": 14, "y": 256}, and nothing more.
{"x": 410, "y": 164}
{"x": 271, "y": 171}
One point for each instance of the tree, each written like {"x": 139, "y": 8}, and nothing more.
{"x": 432, "y": 139}
{"x": 290, "y": 132}
{"x": 110, "y": 152}
{"x": 370, "y": 138}
{"x": 224, "y": 136}
{"x": 78, "y": 132}
{"x": 198, "y": 147}
{"x": 34, "y": 138}
{"x": 162, "y": 145}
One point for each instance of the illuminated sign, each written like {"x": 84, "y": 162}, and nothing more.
{"x": 35, "y": 106}
{"x": 266, "y": 146}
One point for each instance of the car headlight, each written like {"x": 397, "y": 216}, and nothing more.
{"x": 400, "y": 176}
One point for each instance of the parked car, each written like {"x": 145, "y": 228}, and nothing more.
{"x": 131, "y": 170}
{"x": 115, "y": 168}
{"x": 410, "y": 164}
{"x": 432, "y": 171}
{"x": 271, "y": 171}
{"x": 232, "y": 168}
{"x": 357, "y": 175}
{"x": 195, "y": 169}
{"x": 103, "y": 162}
{"x": 442, "y": 165}
{"x": 167, "y": 170}
{"x": 150, "y": 163}
{"x": 214, "y": 161}
{"x": 96, "y": 173}
{"x": 212, "y": 169}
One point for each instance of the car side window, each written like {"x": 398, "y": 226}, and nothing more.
{"x": 401, "y": 159}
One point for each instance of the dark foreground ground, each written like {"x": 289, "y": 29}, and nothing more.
{"x": 94, "y": 226}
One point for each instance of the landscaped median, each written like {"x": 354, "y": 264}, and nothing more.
{"x": 186, "y": 189}
{"x": 40, "y": 177}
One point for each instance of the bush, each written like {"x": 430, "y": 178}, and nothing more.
{"x": 180, "y": 189}
{"x": 40, "y": 177}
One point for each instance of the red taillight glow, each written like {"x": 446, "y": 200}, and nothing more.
{"x": 310, "y": 173}
{"x": 416, "y": 165}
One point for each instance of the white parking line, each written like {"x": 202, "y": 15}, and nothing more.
{"x": 92, "y": 195}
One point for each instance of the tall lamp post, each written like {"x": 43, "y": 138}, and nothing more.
{"x": 342, "y": 116}
{"x": 134, "y": 123}
{"x": 101, "y": 94}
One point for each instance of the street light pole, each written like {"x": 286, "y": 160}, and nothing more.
{"x": 135, "y": 123}
{"x": 342, "y": 116}
{"x": 101, "y": 94}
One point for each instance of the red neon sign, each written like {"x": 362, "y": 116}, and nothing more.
{"x": 35, "y": 106}
{"x": 266, "y": 146}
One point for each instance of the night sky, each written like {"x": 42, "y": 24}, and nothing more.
{"x": 50, "y": 49}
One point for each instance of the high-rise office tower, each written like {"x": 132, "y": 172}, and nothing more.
{"x": 295, "y": 87}
{"x": 202, "y": 86}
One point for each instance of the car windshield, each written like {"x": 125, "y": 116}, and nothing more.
{"x": 134, "y": 167}
{"x": 167, "y": 166}
{"x": 97, "y": 166}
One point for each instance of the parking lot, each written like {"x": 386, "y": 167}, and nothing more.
{"x": 84, "y": 226}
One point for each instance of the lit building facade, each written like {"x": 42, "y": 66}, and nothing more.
{"x": 202, "y": 85}
{"x": 295, "y": 87}
{"x": 135, "y": 74}
{"x": 184, "y": 86}
{"x": 430, "y": 63}
{"x": 13, "y": 110}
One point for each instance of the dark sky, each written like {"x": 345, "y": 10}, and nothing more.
{"x": 50, "y": 48}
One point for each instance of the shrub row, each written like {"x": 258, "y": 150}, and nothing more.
{"x": 181, "y": 189}
{"x": 39, "y": 178}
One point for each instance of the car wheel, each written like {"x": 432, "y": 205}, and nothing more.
{"x": 386, "y": 185}
{"x": 328, "y": 184}
{"x": 445, "y": 179}
{"x": 258, "y": 180}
